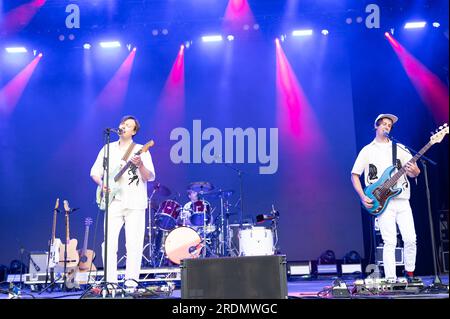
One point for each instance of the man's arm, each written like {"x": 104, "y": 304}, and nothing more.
{"x": 366, "y": 201}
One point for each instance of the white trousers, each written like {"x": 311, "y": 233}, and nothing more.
{"x": 398, "y": 212}
{"x": 134, "y": 221}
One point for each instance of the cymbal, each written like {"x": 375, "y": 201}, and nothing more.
{"x": 221, "y": 193}
{"x": 158, "y": 188}
{"x": 201, "y": 187}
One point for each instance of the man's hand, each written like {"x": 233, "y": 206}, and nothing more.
{"x": 412, "y": 169}
{"x": 367, "y": 202}
{"x": 136, "y": 160}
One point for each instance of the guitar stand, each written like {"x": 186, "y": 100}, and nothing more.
{"x": 53, "y": 283}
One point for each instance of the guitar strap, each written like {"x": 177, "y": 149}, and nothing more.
{"x": 128, "y": 152}
{"x": 394, "y": 154}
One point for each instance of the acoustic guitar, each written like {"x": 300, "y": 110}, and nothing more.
{"x": 87, "y": 256}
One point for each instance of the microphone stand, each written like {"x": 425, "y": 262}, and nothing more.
{"x": 107, "y": 137}
{"x": 436, "y": 285}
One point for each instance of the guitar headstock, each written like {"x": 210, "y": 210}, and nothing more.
{"x": 56, "y": 205}
{"x": 66, "y": 206}
{"x": 148, "y": 145}
{"x": 88, "y": 221}
{"x": 440, "y": 134}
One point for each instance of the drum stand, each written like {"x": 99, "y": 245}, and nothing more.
{"x": 224, "y": 229}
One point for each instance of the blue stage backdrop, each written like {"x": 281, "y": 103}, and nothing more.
{"x": 301, "y": 93}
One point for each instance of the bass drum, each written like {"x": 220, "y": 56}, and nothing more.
{"x": 182, "y": 242}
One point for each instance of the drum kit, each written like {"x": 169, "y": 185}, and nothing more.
{"x": 176, "y": 232}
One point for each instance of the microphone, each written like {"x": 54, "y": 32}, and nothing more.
{"x": 387, "y": 134}
{"x": 118, "y": 131}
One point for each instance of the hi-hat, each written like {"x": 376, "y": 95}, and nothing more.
{"x": 201, "y": 187}
{"x": 221, "y": 193}
{"x": 158, "y": 188}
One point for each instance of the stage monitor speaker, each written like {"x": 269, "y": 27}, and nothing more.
{"x": 250, "y": 277}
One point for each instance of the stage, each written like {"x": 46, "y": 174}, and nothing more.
{"x": 298, "y": 288}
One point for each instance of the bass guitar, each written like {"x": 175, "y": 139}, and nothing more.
{"x": 114, "y": 182}
{"x": 383, "y": 190}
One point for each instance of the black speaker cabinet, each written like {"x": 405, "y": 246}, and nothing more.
{"x": 252, "y": 277}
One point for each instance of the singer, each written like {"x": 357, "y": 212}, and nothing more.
{"x": 373, "y": 160}
{"x": 129, "y": 204}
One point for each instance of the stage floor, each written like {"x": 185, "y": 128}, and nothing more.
{"x": 302, "y": 288}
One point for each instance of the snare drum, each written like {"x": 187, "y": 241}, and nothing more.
{"x": 256, "y": 241}
{"x": 167, "y": 215}
{"x": 199, "y": 211}
{"x": 182, "y": 242}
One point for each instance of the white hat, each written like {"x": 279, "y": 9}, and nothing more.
{"x": 392, "y": 117}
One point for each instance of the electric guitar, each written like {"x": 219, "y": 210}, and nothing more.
{"x": 55, "y": 243}
{"x": 114, "y": 183}
{"x": 382, "y": 191}
{"x": 71, "y": 254}
{"x": 86, "y": 255}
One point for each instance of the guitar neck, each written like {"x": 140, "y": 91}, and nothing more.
{"x": 393, "y": 180}
{"x": 54, "y": 228}
{"x": 125, "y": 167}
{"x": 67, "y": 227}
{"x": 86, "y": 235}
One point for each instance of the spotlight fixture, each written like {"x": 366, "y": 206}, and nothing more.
{"x": 436, "y": 24}
{"x": 348, "y": 20}
{"x": 16, "y": 50}
{"x": 86, "y": 46}
{"x": 212, "y": 38}
{"x": 325, "y": 32}
{"x": 415, "y": 25}
{"x": 111, "y": 44}
{"x": 230, "y": 37}
{"x": 302, "y": 33}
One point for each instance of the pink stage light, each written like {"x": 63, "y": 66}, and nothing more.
{"x": 238, "y": 14}
{"x": 18, "y": 18}
{"x": 10, "y": 94}
{"x": 432, "y": 91}
{"x": 113, "y": 94}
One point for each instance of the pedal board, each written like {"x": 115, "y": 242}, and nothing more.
{"x": 372, "y": 286}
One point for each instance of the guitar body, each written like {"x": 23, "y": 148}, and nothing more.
{"x": 72, "y": 254}
{"x": 54, "y": 253}
{"x": 86, "y": 260}
{"x": 114, "y": 190}
{"x": 380, "y": 196}
{"x": 115, "y": 176}
{"x": 71, "y": 281}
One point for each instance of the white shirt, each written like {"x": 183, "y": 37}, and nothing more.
{"x": 134, "y": 195}
{"x": 373, "y": 160}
